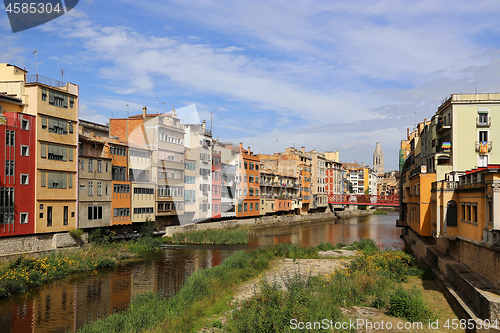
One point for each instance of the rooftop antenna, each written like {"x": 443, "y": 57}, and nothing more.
{"x": 211, "y": 121}
{"x": 62, "y": 75}
{"x": 157, "y": 105}
{"x": 164, "y": 107}
{"x": 127, "y": 123}
{"x": 36, "y": 63}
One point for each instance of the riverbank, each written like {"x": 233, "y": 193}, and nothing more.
{"x": 265, "y": 221}
{"x": 277, "y": 289}
{"x": 23, "y": 272}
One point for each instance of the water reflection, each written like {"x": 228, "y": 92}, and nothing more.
{"x": 67, "y": 304}
{"x": 380, "y": 228}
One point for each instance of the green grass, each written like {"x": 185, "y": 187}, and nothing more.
{"x": 379, "y": 212}
{"x": 234, "y": 236}
{"x": 371, "y": 279}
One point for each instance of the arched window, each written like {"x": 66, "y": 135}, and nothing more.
{"x": 451, "y": 214}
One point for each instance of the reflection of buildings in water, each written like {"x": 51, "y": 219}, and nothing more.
{"x": 143, "y": 280}
{"x": 17, "y": 318}
{"x": 91, "y": 300}
{"x": 120, "y": 289}
{"x": 216, "y": 258}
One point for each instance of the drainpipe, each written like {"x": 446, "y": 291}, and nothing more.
{"x": 496, "y": 205}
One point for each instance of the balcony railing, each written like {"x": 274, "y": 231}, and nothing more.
{"x": 484, "y": 146}
{"x": 35, "y": 78}
{"x": 483, "y": 121}
{"x": 443, "y": 147}
{"x": 442, "y": 125}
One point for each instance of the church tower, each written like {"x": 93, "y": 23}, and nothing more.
{"x": 378, "y": 160}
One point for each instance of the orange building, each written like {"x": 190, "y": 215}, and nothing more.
{"x": 121, "y": 199}
{"x": 249, "y": 185}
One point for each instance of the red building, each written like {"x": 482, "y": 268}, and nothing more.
{"x": 17, "y": 168}
{"x": 216, "y": 184}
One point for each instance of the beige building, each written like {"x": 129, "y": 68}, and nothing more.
{"x": 94, "y": 179}
{"x": 318, "y": 180}
{"x": 143, "y": 189}
{"x": 55, "y": 105}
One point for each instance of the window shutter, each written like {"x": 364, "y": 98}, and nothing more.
{"x": 44, "y": 150}
{"x": 71, "y": 127}
{"x": 51, "y": 97}
{"x": 70, "y": 180}
{"x": 44, "y": 122}
{"x": 70, "y": 153}
{"x": 64, "y": 153}
{"x": 64, "y": 125}
{"x": 64, "y": 177}
{"x": 65, "y": 101}
{"x": 43, "y": 178}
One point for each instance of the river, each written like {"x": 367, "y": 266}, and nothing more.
{"x": 67, "y": 304}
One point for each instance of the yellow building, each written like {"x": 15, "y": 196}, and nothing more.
{"x": 55, "y": 105}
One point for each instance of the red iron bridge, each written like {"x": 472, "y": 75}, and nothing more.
{"x": 366, "y": 200}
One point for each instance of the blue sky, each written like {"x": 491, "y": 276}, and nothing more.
{"x": 327, "y": 75}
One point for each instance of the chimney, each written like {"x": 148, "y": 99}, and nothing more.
{"x": 144, "y": 109}
{"x": 303, "y": 149}
{"x": 408, "y": 133}
{"x": 204, "y": 126}
{"x": 249, "y": 153}
{"x": 173, "y": 112}
{"x": 241, "y": 145}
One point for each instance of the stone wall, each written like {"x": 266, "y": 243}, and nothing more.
{"x": 37, "y": 243}
{"x": 263, "y": 221}
{"x": 482, "y": 260}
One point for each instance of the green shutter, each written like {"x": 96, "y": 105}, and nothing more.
{"x": 70, "y": 153}
{"x": 44, "y": 150}
{"x": 43, "y": 178}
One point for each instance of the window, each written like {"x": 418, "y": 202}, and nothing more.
{"x": 49, "y": 216}
{"x": 483, "y": 136}
{"x": 71, "y": 101}
{"x": 99, "y": 188}
{"x": 245, "y": 205}
{"x": 106, "y": 190}
{"x": 91, "y": 165}
{"x": 44, "y": 95}
{"x": 99, "y": 166}
{"x": 23, "y": 217}
{"x": 58, "y": 153}
{"x": 91, "y": 188}
{"x": 56, "y": 180}
{"x": 10, "y": 138}
{"x": 107, "y": 169}
{"x": 44, "y": 122}
{"x": 251, "y": 206}
{"x": 9, "y": 168}
{"x": 57, "y": 126}
{"x": 246, "y": 165}
{"x": 24, "y": 179}
{"x": 25, "y": 124}
{"x": 121, "y": 212}
{"x": 94, "y": 212}
{"x": 7, "y": 205}
{"x": 256, "y": 206}
{"x": 451, "y": 214}
{"x": 65, "y": 215}
{"x": 58, "y": 99}
{"x": 82, "y": 165}
{"x": 25, "y": 150}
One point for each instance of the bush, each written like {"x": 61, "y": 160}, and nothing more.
{"x": 76, "y": 234}
{"x": 409, "y": 305}
{"x": 101, "y": 236}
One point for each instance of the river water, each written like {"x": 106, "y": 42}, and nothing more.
{"x": 67, "y": 304}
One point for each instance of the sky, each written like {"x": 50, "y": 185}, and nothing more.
{"x": 326, "y": 75}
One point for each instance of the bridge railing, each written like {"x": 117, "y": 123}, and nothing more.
{"x": 361, "y": 199}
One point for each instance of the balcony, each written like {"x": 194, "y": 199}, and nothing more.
{"x": 442, "y": 125}
{"x": 484, "y": 147}
{"x": 483, "y": 121}
{"x": 35, "y": 78}
{"x": 443, "y": 147}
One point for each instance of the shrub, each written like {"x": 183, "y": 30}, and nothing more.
{"x": 409, "y": 305}
{"x": 76, "y": 234}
